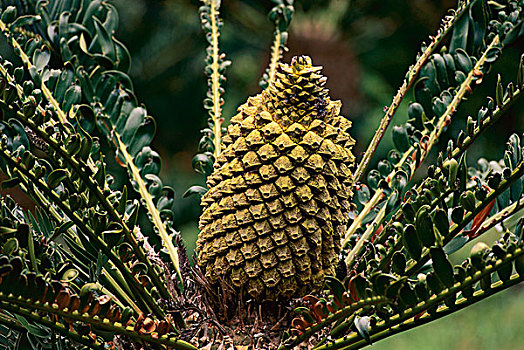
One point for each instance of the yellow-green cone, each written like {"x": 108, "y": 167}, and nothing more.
{"x": 278, "y": 198}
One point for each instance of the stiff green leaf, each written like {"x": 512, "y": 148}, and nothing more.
{"x": 519, "y": 265}
{"x": 399, "y": 180}
{"x": 203, "y": 163}
{"x": 416, "y": 114}
{"x": 36, "y": 330}
{"x": 7, "y": 230}
{"x": 26, "y": 20}
{"x": 72, "y": 96}
{"x": 493, "y": 54}
{"x": 143, "y": 136}
{"x": 429, "y": 71}
{"x": 19, "y": 138}
{"x": 452, "y": 167}
{"x": 111, "y": 22}
{"x": 43, "y": 222}
{"x": 477, "y": 254}
{"x": 69, "y": 275}
{"x": 121, "y": 208}
{"x": 408, "y": 295}
{"x": 121, "y": 77}
{"x": 441, "y": 70}
{"x": 398, "y": 263}
{"x": 9, "y": 14}
{"x": 478, "y": 25}
{"x": 167, "y": 199}
{"x": 86, "y": 118}
{"x": 337, "y": 289}
{"x": 442, "y": 266}
{"x": 12, "y": 182}
{"x": 411, "y": 242}
{"x": 463, "y": 61}
{"x": 457, "y": 215}
{"x": 440, "y": 219}
{"x": 304, "y": 312}
{"x": 195, "y": 190}
{"x": 424, "y": 226}
{"x": 363, "y": 194}
{"x": 82, "y": 43}
{"x": 133, "y": 216}
{"x": 433, "y": 283}
{"x": 382, "y": 281}
{"x": 125, "y": 251}
{"x": 408, "y": 212}
{"x": 103, "y": 39}
{"x": 10, "y": 246}
{"x": 499, "y": 93}
{"x": 100, "y": 176}
{"x": 41, "y": 58}
{"x": 123, "y": 57}
{"x": 56, "y": 177}
{"x": 62, "y": 228}
{"x": 400, "y": 138}
{"x": 459, "y": 38}
{"x": 154, "y": 184}
{"x": 467, "y": 200}
{"x": 359, "y": 284}
{"x": 64, "y": 82}
{"x": 363, "y": 325}
{"x": 112, "y": 237}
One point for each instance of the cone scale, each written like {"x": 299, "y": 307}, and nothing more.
{"x": 280, "y": 191}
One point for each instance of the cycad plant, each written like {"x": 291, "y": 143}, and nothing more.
{"x": 300, "y": 244}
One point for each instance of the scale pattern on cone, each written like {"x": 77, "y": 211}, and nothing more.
{"x": 279, "y": 196}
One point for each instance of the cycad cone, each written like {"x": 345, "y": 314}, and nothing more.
{"x": 278, "y": 198}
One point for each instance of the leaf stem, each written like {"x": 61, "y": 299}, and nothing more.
{"x": 215, "y": 79}
{"x": 153, "y": 211}
{"x": 456, "y": 228}
{"x": 129, "y": 160}
{"x": 276, "y": 54}
{"x": 22, "y": 306}
{"x": 386, "y": 330}
{"x": 401, "y": 93}
{"x": 11, "y": 306}
{"x": 433, "y": 137}
{"x": 355, "y": 341}
{"x": 146, "y": 300}
{"x": 25, "y": 59}
{"x": 342, "y": 313}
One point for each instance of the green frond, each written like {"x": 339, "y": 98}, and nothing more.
{"x": 399, "y": 225}
{"x": 60, "y": 110}
{"x": 75, "y": 179}
{"x": 98, "y": 62}
{"x": 280, "y": 15}
{"x": 210, "y": 145}
{"x": 411, "y": 76}
{"x": 413, "y": 155}
{"x": 431, "y": 114}
{"x": 98, "y": 264}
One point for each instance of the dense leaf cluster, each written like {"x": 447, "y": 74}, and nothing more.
{"x": 98, "y": 263}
